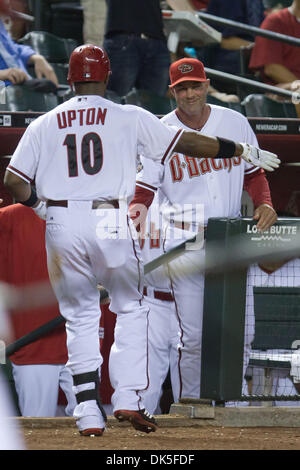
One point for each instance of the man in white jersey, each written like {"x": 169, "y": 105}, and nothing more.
{"x": 195, "y": 190}
{"x": 82, "y": 155}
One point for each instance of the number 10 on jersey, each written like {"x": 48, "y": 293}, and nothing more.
{"x": 89, "y": 152}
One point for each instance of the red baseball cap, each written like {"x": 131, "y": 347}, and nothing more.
{"x": 187, "y": 69}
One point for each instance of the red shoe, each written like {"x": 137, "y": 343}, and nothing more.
{"x": 140, "y": 420}
{"x": 92, "y": 432}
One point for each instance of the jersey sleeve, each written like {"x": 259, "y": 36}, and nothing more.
{"x": 155, "y": 139}
{"x": 26, "y": 156}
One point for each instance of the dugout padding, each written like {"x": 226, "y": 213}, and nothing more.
{"x": 224, "y": 306}
{"x": 277, "y": 317}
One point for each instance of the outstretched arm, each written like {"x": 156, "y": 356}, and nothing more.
{"x": 198, "y": 145}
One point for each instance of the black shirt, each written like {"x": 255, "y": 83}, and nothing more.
{"x": 134, "y": 16}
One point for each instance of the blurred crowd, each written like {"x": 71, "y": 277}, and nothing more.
{"x": 119, "y": 28}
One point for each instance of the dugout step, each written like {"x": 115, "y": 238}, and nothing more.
{"x": 194, "y": 408}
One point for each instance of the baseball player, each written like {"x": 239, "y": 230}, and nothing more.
{"x": 10, "y": 434}
{"x": 85, "y": 178}
{"x": 39, "y": 367}
{"x": 163, "y": 321}
{"x": 196, "y": 190}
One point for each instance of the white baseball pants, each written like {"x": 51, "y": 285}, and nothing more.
{"x": 163, "y": 350}
{"x": 37, "y": 387}
{"x": 83, "y": 250}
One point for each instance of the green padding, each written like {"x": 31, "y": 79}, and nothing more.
{"x": 223, "y": 322}
{"x": 277, "y": 317}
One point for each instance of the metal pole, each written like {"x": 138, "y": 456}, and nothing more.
{"x": 228, "y": 77}
{"x": 249, "y": 29}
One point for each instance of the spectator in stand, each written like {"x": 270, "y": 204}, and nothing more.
{"x": 15, "y": 58}
{"x": 39, "y": 367}
{"x": 278, "y": 62}
{"x": 226, "y": 56}
{"x": 193, "y": 6}
{"x": 137, "y": 47}
{"x": 94, "y": 15}
{"x": 200, "y": 4}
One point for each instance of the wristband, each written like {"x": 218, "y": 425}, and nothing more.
{"x": 227, "y": 148}
{"x": 31, "y": 200}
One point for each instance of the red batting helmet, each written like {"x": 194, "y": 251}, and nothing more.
{"x": 88, "y": 63}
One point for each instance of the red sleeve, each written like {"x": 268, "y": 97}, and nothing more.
{"x": 257, "y": 187}
{"x": 267, "y": 51}
{"x": 199, "y": 4}
{"x": 140, "y": 204}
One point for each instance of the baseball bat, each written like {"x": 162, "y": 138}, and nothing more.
{"x": 49, "y": 326}
{"x": 33, "y": 335}
{"x": 239, "y": 253}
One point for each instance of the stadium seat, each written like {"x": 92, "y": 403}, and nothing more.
{"x": 259, "y": 105}
{"x": 277, "y": 321}
{"x": 61, "y": 71}
{"x": 235, "y": 106}
{"x": 159, "y": 105}
{"x": 245, "y": 54}
{"x": 66, "y": 19}
{"x": 19, "y": 98}
{"x": 53, "y": 48}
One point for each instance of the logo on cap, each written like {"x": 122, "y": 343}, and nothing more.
{"x": 185, "y": 68}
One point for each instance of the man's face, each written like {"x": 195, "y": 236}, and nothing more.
{"x": 191, "y": 96}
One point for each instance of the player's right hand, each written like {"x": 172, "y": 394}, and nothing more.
{"x": 258, "y": 157}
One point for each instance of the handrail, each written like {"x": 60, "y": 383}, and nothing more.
{"x": 228, "y": 77}
{"x": 249, "y": 29}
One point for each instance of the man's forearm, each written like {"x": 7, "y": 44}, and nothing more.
{"x": 234, "y": 43}
{"x": 208, "y": 147}
{"x": 279, "y": 74}
{"x": 18, "y": 188}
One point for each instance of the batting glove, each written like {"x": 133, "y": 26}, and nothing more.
{"x": 41, "y": 210}
{"x": 262, "y": 158}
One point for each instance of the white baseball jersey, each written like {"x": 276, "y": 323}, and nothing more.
{"x": 215, "y": 183}
{"x": 86, "y": 149}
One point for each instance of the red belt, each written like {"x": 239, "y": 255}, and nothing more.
{"x": 96, "y": 204}
{"x": 160, "y": 295}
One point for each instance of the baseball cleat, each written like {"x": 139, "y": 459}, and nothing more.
{"x": 141, "y": 420}
{"x": 92, "y": 432}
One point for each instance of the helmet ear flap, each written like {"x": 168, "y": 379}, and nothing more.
{"x": 88, "y": 63}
